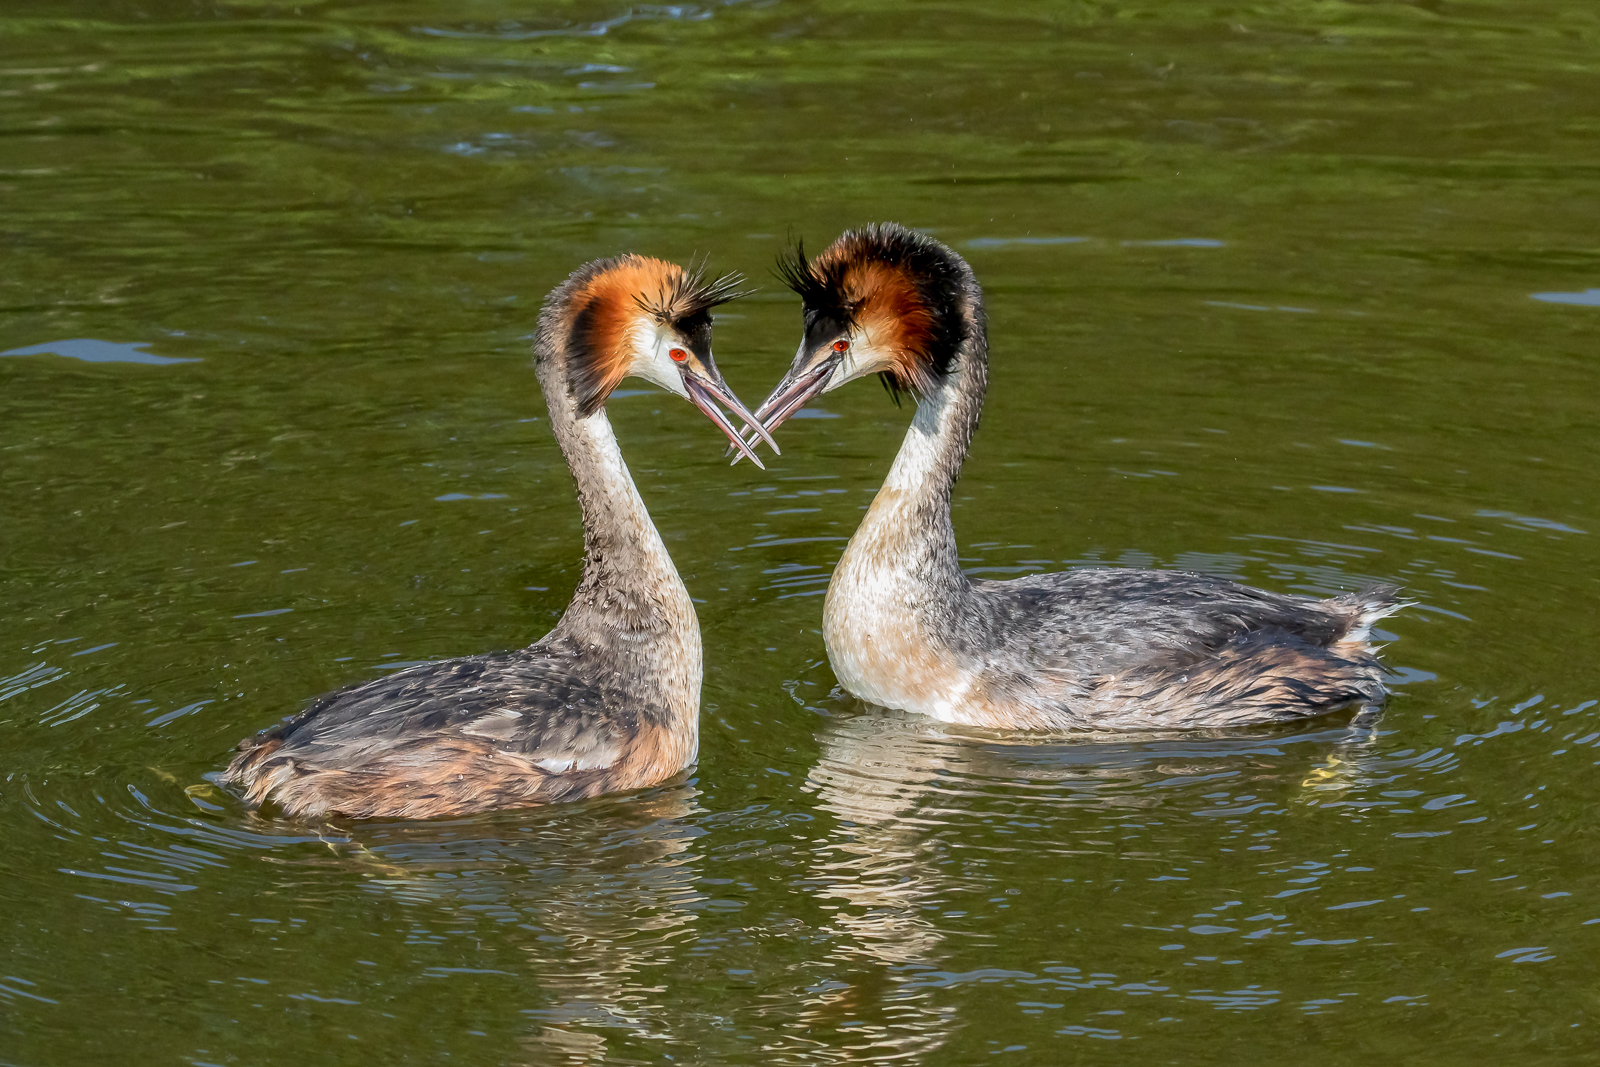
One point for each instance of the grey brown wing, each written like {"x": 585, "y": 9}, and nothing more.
{"x": 548, "y": 706}
{"x": 1103, "y": 620}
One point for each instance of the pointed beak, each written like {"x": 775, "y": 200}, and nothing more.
{"x": 706, "y": 389}
{"x": 794, "y": 392}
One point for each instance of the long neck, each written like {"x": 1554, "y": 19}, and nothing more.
{"x": 909, "y": 521}
{"x": 628, "y": 577}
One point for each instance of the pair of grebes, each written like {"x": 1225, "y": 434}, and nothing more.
{"x": 609, "y": 700}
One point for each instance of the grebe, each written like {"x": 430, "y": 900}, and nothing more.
{"x": 607, "y": 701}
{"x": 1100, "y": 649}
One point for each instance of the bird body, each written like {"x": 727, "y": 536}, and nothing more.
{"x": 1093, "y": 648}
{"x": 609, "y": 700}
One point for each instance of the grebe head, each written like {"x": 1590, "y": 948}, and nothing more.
{"x": 646, "y": 318}
{"x": 881, "y": 300}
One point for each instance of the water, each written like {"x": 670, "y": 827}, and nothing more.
{"x": 1298, "y": 293}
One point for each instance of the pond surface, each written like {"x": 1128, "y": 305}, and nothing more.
{"x": 1301, "y": 293}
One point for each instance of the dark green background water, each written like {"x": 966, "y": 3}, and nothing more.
{"x": 1263, "y": 282}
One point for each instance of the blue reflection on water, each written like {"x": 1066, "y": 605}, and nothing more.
{"x": 1588, "y": 296}
{"x": 91, "y": 351}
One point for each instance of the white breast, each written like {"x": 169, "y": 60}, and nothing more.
{"x": 878, "y": 647}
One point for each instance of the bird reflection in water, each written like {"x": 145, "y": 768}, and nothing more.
{"x": 877, "y": 774}
{"x": 598, "y": 897}
{"x": 911, "y": 795}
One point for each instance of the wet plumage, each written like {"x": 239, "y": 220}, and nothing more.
{"x": 609, "y": 700}
{"x": 1084, "y": 649}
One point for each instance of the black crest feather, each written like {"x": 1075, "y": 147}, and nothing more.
{"x": 605, "y": 296}
{"x": 690, "y": 294}
{"x": 820, "y": 285}
{"x": 830, "y": 289}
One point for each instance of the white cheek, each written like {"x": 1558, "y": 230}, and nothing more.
{"x": 843, "y": 371}
{"x": 862, "y": 358}
{"x": 652, "y": 362}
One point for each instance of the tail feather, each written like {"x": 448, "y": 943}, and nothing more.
{"x": 1366, "y": 607}
{"x": 246, "y": 767}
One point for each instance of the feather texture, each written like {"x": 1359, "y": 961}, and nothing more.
{"x": 891, "y": 284}
{"x": 1082, "y": 649}
{"x": 606, "y": 302}
{"x": 608, "y": 701}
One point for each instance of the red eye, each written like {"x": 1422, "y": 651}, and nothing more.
{"x": 840, "y": 346}
{"x": 678, "y": 355}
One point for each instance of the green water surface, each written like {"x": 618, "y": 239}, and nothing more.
{"x": 1303, "y": 292}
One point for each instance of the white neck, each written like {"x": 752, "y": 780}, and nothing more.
{"x": 926, "y": 449}
{"x": 898, "y": 591}
{"x": 907, "y": 536}
{"x": 629, "y": 581}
